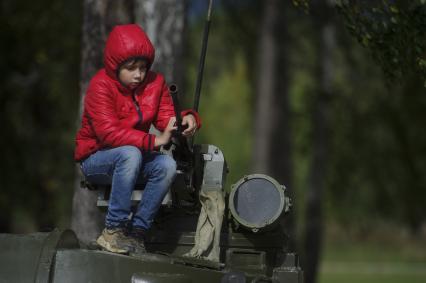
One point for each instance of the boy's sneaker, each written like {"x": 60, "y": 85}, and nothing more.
{"x": 138, "y": 243}
{"x": 114, "y": 240}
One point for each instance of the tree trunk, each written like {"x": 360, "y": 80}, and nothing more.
{"x": 280, "y": 147}
{"x": 164, "y": 21}
{"x": 265, "y": 109}
{"x": 99, "y": 18}
{"x": 272, "y": 135}
{"x": 325, "y": 41}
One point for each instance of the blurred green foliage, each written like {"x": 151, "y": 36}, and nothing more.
{"x": 393, "y": 30}
{"x": 38, "y": 104}
{"x": 376, "y": 152}
{"x": 226, "y": 113}
{"x": 302, "y": 4}
{"x": 225, "y": 105}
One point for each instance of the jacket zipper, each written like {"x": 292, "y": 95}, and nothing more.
{"x": 138, "y": 109}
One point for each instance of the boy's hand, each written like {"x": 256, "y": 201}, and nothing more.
{"x": 190, "y": 121}
{"x": 165, "y": 136}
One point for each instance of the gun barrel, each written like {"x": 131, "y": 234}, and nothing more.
{"x": 173, "y": 89}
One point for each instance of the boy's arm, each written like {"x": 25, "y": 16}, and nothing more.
{"x": 166, "y": 110}
{"x": 100, "y": 108}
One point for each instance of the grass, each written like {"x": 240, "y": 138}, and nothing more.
{"x": 385, "y": 255}
{"x": 371, "y": 278}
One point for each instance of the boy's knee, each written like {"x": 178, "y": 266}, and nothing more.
{"x": 167, "y": 165}
{"x": 130, "y": 155}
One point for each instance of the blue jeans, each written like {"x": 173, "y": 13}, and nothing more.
{"x": 123, "y": 167}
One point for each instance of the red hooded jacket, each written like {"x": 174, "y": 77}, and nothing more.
{"x": 110, "y": 116}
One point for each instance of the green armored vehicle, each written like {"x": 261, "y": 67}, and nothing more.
{"x": 252, "y": 246}
{"x": 203, "y": 232}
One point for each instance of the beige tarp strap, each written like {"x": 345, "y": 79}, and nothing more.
{"x": 207, "y": 236}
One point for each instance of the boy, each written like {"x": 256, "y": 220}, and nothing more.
{"x": 113, "y": 144}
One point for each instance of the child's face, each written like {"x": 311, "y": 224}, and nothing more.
{"x": 132, "y": 73}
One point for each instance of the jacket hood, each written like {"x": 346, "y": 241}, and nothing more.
{"x": 124, "y": 42}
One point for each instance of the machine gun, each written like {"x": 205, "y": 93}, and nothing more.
{"x": 182, "y": 153}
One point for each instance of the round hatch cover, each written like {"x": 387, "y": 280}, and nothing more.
{"x": 256, "y": 201}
